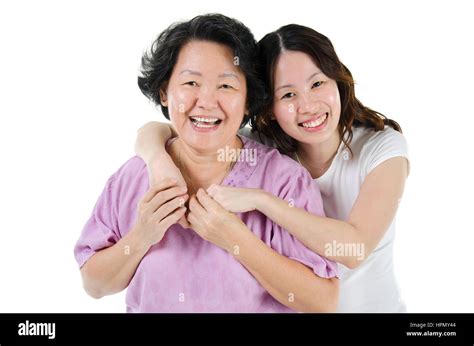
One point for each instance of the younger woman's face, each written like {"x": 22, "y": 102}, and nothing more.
{"x": 306, "y": 104}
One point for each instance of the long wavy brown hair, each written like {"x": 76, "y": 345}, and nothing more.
{"x": 303, "y": 39}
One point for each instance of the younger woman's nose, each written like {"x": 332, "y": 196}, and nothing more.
{"x": 306, "y": 104}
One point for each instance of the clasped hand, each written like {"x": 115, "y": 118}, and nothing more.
{"x": 164, "y": 205}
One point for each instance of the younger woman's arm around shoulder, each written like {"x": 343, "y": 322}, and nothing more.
{"x": 150, "y": 146}
{"x": 370, "y": 217}
{"x": 289, "y": 281}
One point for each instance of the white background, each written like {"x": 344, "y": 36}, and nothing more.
{"x": 70, "y": 107}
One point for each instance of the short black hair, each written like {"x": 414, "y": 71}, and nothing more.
{"x": 157, "y": 64}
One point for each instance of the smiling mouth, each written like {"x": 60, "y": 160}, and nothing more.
{"x": 314, "y": 123}
{"x": 205, "y": 122}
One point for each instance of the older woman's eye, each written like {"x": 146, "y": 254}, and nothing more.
{"x": 287, "y": 96}
{"x": 191, "y": 83}
{"x": 226, "y": 86}
{"x": 317, "y": 84}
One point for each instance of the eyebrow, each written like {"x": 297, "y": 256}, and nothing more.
{"x": 223, "y": 75}
{"x": 229, "y": 74}
{"x": 191, "y": 72}
{"x": 291, "y": 85}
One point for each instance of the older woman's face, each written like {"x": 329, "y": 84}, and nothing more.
{"x": 206, "y": 96}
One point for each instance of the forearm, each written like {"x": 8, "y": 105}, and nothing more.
{"x": 316, "y": 232}
{"x": 151, "y": 147}
{"x": 151, "y": 140}
{"x": 110, "y": 270}
{"x": 290, "y": 282}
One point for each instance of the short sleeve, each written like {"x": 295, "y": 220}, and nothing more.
{"x": 101, "y": 230}
{"x": 385, "y": 145}
{"x": 302, "y": 192}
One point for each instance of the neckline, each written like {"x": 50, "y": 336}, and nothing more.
{"x": 232, "y": 178}
{"x": 340, "y": 149}
{"x": 242, "y": 167}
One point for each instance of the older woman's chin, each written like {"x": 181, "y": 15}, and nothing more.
{"x": 212, "y": 146}
{"x": 210, "y": 141}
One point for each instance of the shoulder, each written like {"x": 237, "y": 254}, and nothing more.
{"x": 248, "y": 132}
{"x": 283, "y": 177}
{"x": 131, "y": 178}
{"x": 269, "y": 157}
{"x": 374, "y": 147}
{"x": 368, "y": 138}
{"x": 279, "y": 173}
{"x": 132, "y": 168}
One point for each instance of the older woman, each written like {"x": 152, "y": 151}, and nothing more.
{"x": 201, "y": 72}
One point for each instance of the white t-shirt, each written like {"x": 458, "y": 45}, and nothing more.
{"x": 371, "y": 287}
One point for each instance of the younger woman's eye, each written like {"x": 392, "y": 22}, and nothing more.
{"x": 317, "y": 84}
{"x": 226, "y": 86}
{"x": 287, "y": 96}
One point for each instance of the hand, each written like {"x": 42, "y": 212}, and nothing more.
{"x": 213, "y": 223}
{"x": 234, "y": 199}
{"x": 161, "y": 206}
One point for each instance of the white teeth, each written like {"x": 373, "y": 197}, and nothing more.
{"x": 204, "y": 125}
{"x": 316, "y": 122}
{"x": 205, "y": 120}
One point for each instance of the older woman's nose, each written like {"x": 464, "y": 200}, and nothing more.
{"x": 207, "y": 98}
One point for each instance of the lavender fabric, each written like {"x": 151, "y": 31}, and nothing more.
{"x": 183, "y": 272}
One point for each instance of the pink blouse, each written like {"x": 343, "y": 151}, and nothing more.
{"x": 183, "y": 272}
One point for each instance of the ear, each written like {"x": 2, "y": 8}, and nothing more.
{"x": 163, "y": 97}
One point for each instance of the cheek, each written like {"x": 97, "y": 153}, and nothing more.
{"x": 334, "y": 101}
{"x": 284, "y": 112}
{"x": 234, "y": 106}
{"x": 180, "y": 102}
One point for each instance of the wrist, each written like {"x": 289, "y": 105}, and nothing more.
{"x": 241, "y": 237}
{"x": 246, "y": 249}
{"x": 136, "y": 242}
{"x": 158, "y": 155}
{"x": 260, "y": 200}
